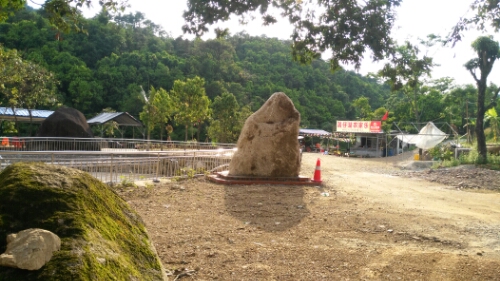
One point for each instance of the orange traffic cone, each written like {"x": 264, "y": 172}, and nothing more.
{"x": 317, "y": 172}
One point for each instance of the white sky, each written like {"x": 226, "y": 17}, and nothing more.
{"x": 415, "y": 19}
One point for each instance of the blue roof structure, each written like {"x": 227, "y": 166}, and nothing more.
{"x": 23, "y": 115}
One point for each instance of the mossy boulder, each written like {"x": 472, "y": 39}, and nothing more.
{"x": 102, "y": 237}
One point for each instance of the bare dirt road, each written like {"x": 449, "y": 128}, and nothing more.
{"x": 369, "y": 220}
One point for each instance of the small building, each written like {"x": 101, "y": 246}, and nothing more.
{"x": 368, "y": 139}
{"x": 122, "y": 119}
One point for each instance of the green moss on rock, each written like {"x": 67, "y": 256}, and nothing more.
{"x": 102, "y": 237}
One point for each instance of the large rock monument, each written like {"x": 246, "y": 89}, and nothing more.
{"x": 268, "y": 145}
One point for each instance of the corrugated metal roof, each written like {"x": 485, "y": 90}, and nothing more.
{"x": 103, "y": 118}
{"x": 314, "y": 132}
{"x": 122, "y": 118}
{"x": 21, "y": 114}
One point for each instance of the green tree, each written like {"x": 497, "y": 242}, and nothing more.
{"x": 105, "y": 68}
{"x": 346, "y": 28}
{"x": 224, "y": 123}
{"x": 363, "y": 108}
{"x": 109, "y": 128}
{"x": 486, "y": 14}
{"x": 405, "y": 73}
{"x": 460, "y": 106}
{"x": 163, "y": 102}
{"x": 26, "y": 84}
{"x": 488, "y": 52}
{"x": 431, "y": 103}
{"x": 156, "y": 110}
{"x": 77, "y": 83}
{"x": 491, "y": 115}
{"x": 8, "y": 7}
{"x": 10, "y": 66}
{"x": 63, "y": 14}
{"x": 191, "y": 102}
{"x": 117, "y": 73}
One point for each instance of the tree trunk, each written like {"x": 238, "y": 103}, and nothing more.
{"x": 481, "y": 138}
{"x": 186, "y": 134}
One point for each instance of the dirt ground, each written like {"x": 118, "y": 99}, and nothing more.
{"x": 372, "y": 219}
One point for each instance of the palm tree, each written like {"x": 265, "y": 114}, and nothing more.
{"x": 492, "y": 116}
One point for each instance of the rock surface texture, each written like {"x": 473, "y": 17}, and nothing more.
{"x": 102, "y": 238}
{"x": 30, "y": 249}
{"x": 268, "y": 145}
{"x": 65, "y": 122}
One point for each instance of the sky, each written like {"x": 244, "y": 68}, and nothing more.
{"x": 415, "y": 19}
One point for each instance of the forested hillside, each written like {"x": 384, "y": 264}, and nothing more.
{"x": 105, "y": 67}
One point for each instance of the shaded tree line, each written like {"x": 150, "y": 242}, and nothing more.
{"x": 106, "y": 67}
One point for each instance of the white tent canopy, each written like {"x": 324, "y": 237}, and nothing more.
{"x": 428, "y": 137}
{"x": 314, "y": 133}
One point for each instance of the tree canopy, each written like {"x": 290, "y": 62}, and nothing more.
{"x": 191, "y": 102}
{"x": 63, "y": 14}
{"x": 406, "y": 72}
{"x": 347, "y": 29}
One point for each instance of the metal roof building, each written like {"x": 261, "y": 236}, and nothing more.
{"x": 122, "y": 118}
{"x": 23, "y": 115}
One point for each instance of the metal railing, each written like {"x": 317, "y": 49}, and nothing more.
{"x": 102, "y": 144}
{"x": 119, "y": 160}
{"x": 128, "y": 166}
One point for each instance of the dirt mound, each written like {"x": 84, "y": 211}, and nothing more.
{"x": 461, "y": 177}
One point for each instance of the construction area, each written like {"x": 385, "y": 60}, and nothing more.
{"x": 370, "y": 219}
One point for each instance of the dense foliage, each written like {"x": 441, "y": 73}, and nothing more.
{"x": 107, "y": 67}
{"x": 345, "y": 29}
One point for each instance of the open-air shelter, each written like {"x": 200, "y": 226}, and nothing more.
{"x": 123, "y": 119}
{"x": 315, "y": 133}
{"x": 23, "y": 115}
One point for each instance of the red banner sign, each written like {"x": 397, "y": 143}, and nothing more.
{"x": 359, "y": 126}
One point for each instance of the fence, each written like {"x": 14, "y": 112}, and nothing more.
{"x": 128, "y": 166}
{"x": 148, "y": 160}
{"x": 102, "y": 144}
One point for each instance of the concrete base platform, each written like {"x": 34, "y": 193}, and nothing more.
{"x": 224, "y": 178}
